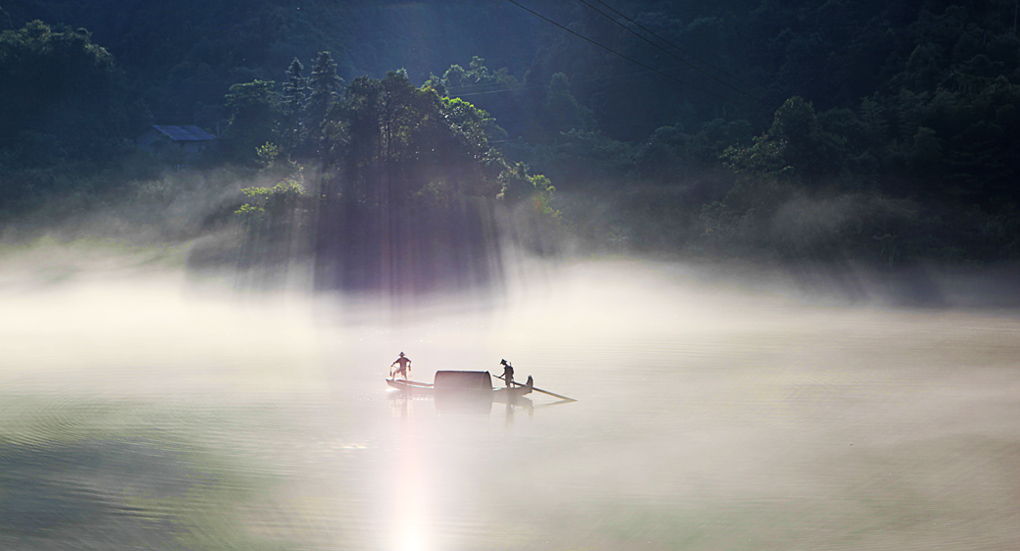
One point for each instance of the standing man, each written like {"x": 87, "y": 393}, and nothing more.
{"x": 405, "y": 366}
{"x": 508, "y": 373}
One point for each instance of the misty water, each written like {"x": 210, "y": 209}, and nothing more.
{"x": 140, "y": 409}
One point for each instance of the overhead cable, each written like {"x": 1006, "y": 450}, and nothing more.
{"x": 678, "y": 48}
{"x": 465, "y": 91}
{"x": 632, "y": 60}
{"x": 669, "y": 53}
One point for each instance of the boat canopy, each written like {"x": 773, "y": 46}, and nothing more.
{"x": 463, "y": 380}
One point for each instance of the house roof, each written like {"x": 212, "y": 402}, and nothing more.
{"x": 184, "y": 133}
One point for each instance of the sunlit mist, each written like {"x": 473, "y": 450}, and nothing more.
{"x": 714, "y": 410}
{"x": 433, "y": 275}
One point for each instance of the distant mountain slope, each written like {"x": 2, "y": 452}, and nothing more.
{"x": 182, "y": 56}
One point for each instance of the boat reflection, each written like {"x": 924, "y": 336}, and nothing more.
{"x": 477, "y": 403}
{"x": 466, "y": 393}
{"x": 464, "y": 403}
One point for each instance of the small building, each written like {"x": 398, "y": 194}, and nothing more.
{"x": 190, "y": 139}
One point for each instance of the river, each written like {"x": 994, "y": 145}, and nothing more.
{"x": 145, "y": 411}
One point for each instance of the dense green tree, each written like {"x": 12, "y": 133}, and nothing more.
{"x": 562, "y": 111}
{"x": 907, "y": 100}
{"x": 60, "y": 94}
{"x": 63, "y": 117}
{"x": 411, "y": 187}
{"x": 388, "y": 132}
{"x": 795, "y": 147}
{"x": 293, "y": 98}
{"x": 960, "y": 144}
{"x": 324, "y": 86}
{"x": 254, "y": 118}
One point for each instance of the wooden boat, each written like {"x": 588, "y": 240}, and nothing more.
{"x": 505, "y": 394}
{"x": 471, "y": 391}
{"x": 412, "y": 386}
{"x": 463, "y": 383}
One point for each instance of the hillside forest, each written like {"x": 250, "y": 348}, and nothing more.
{"x": 400, "y": 144}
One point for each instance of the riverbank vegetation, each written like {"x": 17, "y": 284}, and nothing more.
{"x": 885, "y": 133}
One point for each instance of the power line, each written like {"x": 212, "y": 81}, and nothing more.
{"x": 634, "y": 61}
{"x": 669, "y": 53}
{"x": 678, "y": 48}
{"x": 483, "y": 89}
{"x": 475, "y": 92}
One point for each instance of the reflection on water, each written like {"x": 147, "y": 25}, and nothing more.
{"x": 139, "y": 414}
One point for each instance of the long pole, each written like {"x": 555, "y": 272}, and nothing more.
{"x": 560, "y": 396}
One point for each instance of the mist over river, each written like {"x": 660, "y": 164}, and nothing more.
{"x": 140, "y": 409}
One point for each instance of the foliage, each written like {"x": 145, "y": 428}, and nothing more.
{"x": 324, "y": 87}
{"x": 477, "y": 78}
{"x": 293, "y": 99}
{"x": 961, "y": 142}
{"x": 517, "y": 186}
{"x": 267, "y": 154}
{"x": 408, "y": 188}
{"x": 796, "y": 146}
{"x": 390, "y": 139}
{"x": 896, "y": 119}
{"x": 60, "y": 96}
{"x": 270, "y": 206}
{"x": 254, "y": 118}
{"x": 564, "y": 111}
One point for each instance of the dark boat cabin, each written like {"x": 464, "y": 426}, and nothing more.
{"x": 463, "y": 381}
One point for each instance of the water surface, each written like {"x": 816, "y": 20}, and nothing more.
{"x": 139, "y": 410}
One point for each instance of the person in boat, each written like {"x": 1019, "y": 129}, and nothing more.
{"x": 405, "y": 366}
{"x": 508, "y": 373}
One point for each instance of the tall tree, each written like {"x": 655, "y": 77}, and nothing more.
{"x": 324, "y": 86}
{"x": 295, "y": 92}
{"x": 58, "y": 87}
{"x": 254, "y": 118}
{"x": 796, "y": 147}
{"x": 410, "y": 186}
